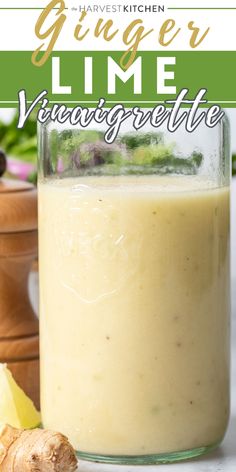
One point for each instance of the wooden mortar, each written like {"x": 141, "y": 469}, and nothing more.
{"x": 19, "y": 333}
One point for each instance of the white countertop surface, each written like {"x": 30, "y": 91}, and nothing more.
{"x": 224, "y": 458}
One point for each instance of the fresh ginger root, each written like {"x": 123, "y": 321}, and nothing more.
{"x": 36, "y": 450}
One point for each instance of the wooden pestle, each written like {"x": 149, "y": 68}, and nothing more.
{"x": 19, "y": 334}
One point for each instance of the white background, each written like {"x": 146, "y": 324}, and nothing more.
{"x": 17, "y": 27}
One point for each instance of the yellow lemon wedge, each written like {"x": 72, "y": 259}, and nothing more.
{"x": 16, "y": 409}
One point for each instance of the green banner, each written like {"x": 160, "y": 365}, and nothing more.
{"x": 214, "y": 71}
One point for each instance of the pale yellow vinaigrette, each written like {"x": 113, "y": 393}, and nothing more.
{"x": 134, "y": 312}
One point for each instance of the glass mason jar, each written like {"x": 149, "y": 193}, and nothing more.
{"x": 134, "y": 290}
